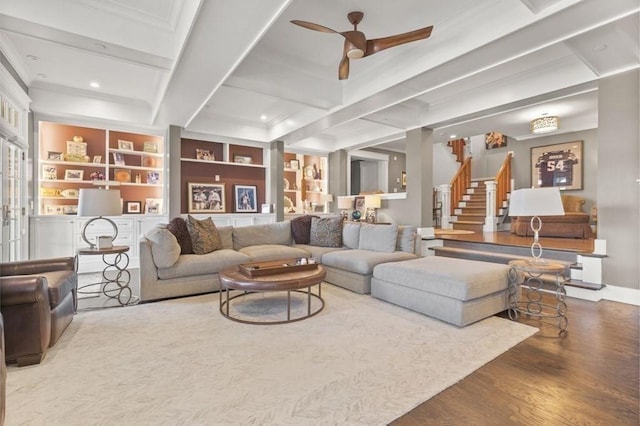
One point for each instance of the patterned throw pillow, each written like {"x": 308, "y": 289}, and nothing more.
{"x": 326, "y": 232}
{"x": 301, "y": 229}
{"x": 204, "y": 235}
{"x": 178, "y": 227}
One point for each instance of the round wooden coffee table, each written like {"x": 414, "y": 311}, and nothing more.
{"x": 296, "y": 281}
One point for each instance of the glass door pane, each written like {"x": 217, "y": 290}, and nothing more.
{"x": 12, "y": 201}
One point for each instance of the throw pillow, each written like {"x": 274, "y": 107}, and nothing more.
{"x": 406, "y": 239}
{"x": 178, "y": 227}
{"x": 301, "y": 229}
{"x": 378, "y": 237}
{"x": 165, "y": 249}
{"x": 351, "y": 235}
{"x": 204, "y": 235}
{"x": 326, "y": 232}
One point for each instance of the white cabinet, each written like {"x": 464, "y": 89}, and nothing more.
{"x": 52, "y": 237}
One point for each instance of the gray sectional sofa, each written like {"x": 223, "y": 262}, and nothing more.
{"x": 166, "y": 273}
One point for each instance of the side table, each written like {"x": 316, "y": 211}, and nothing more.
{"x": 524, "y": 273}
{"x": 115, "y": 276}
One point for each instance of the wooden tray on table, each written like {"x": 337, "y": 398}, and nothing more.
{"x": 259, "y": 269}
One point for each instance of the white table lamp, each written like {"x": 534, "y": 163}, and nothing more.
{"x": 345, "y": 203}
{"x": 536, "y": 202}
{"x": 100, "y": 203}
{"x": 371, "y": 203}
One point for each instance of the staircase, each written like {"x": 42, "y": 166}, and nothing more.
{"x": 471, "y": 211}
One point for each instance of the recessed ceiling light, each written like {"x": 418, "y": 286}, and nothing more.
{"x": 452, "y": 136}
{"x": 263, "y": 117}
{"x": 33, "y": 57}
{"x": 94, "y": 84}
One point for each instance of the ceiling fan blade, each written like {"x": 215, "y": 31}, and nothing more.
{"x": 343, "y": 68}
{"x": 313, "y": 26}
{"x": 378, "y": 44}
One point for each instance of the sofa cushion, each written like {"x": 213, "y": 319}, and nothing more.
{"x": 406, "y": 239}
{"x": 301, "y": 229}
{"x": 165, "y": 249}
{"x": 317, "y": 252}
{"x": 265, "y": 252}
{"x": 326, "y": 232}
{"x": 178, "y": 227}
{"x": 378, "y": 237}
{"x": 204, "y": 235}
{"x": 362, "y": 261}
{"x": 270, "y": 233}
{"x": 190, "y": 265}
{"x": 226, "y": 236}
{"x": 351, "y": 235}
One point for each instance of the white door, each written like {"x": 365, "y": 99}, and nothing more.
{"x": 13, "y": 190}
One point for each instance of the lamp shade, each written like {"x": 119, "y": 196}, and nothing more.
{"x": 536, "y": 202}
{"x": 328, "y": 198}
{"x": 345, "y": 203}
{"x": 372, "y": 201}
{"x": 99, "y": 202}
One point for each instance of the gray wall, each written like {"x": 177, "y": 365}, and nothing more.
{"x": 618, "y": 157}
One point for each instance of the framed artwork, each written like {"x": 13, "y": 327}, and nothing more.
{"x": 153, "y": 206}
{"x": 494, "y": 140}
{"x": 245, "y": 197}
{"x": 295, "y": 164}
{"x": 54, "y": 155}
{"x": 403, "y": 180}
{"x": 558, "y": 165}
{"x": 49, "y": 172}
{"x": 133, "y": 207}
{"x": 358, "y": 204}
{"x": 242, "y": 159}
{"x": 97, "y": 158}
{"x": 206, "y": 198}
{"x": 53, "y": 209}
{"x": 150, "y": 147}
{"x": 204, "y": 154}
{"x": 122, "y": 175}
{"x": 118, "y": 159}
{"x": 76, "y": 149}
{"x": 153, "y": 177}
{"x": 125, "y": 145}
{"x": 71, "y": 174}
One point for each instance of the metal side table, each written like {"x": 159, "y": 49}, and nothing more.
{"x": 528, "y": 276}
{"x": 115, "y": 276}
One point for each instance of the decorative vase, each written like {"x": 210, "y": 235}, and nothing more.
{"x": 356, "y": 215}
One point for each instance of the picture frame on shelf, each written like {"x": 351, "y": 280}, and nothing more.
{"x": 149, "y": 146}
{"x": 245, "y": 197}
{"x": 49, "y": 172}
{"x": 70, "y": 209}
{"x": 294, "y": 164}
{"x": 122, "y": 175}
{"x": 125, "y": 145}
{"x": 50, "y": 192}
{"x": 153, "y": 177}
{"x": 76, "y": 149}
{"x": 118, "y": 159}
{"x": 55, "y": 156}
{"x": 132, "y": 207}
{"x": 403, "y": 180}
{"x": 204, "y": 154}
{"x": 53, "y": 209}
{"x": 242, "y": 159}
{"x": 73, "y": 174}
{"x": 206, "y": 198}
{"x": 358, "y": 204}
{"x": 97, "y": 158}
{"x": 558, "y": 165}
{"x": 153, "y": 206}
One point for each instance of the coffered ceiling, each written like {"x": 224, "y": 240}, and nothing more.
{"x": 240, "y": 70}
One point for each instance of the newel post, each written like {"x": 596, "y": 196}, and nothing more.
{"x": 445, "y": 191}
{"x": 490, "y": 224}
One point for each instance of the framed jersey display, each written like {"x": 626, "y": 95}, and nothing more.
{"x": 558, "y": 165}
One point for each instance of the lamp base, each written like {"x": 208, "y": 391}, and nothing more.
{"x": 90, "y": 223}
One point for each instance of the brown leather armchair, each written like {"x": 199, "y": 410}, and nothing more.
{"x": 39, "y": 299}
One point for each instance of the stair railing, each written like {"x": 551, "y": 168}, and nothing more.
{"x": 458, "y": 149}
{"x": 459, "y": 184}
{"x": 503, "y": 181}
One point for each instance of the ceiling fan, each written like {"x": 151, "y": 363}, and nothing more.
{"x": 356, "y": 44}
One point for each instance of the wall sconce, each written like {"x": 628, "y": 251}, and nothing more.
{"x": 371, "y": 203}
{"x": 345, "y": 204}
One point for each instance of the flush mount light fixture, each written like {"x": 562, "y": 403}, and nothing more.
{"x": 263, "y": 117}
{"x": 94, "y": 84}
{"x": 545, "y": 124}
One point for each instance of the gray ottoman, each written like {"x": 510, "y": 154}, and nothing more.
{"x": 457, "y": 291}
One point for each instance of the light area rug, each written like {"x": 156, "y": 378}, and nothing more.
{"x": 360, "y": 361}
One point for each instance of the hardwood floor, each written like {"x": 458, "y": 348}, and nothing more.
{"x": 589, "y": 376}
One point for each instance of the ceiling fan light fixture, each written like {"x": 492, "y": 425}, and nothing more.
{"x": 545, "y": 124}
{"x": 355, "y": 53}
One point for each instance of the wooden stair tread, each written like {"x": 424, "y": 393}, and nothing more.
{"x": 468, "y": 222}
